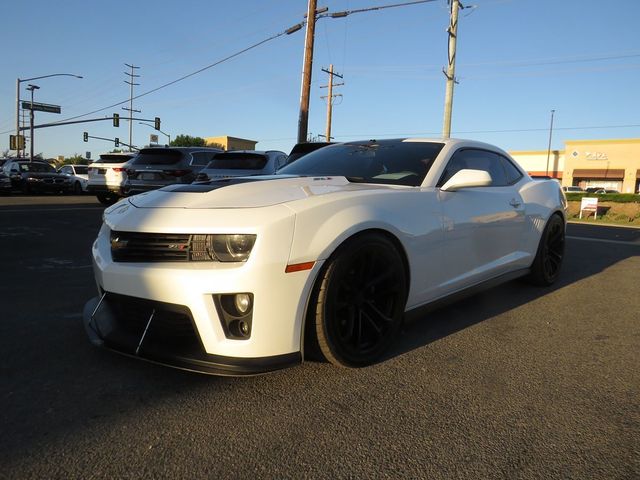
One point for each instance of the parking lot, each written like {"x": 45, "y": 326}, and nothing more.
{"x": 515, "y": 382}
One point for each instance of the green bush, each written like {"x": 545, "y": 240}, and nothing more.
{"x": 606, "y": 197}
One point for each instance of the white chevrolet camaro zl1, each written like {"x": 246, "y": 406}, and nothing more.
{"x": 248, "y": 275}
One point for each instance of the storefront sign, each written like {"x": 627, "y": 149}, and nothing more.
{"x": 596, "y": 156}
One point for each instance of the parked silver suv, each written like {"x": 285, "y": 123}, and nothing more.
{"x": 158, "y": 167}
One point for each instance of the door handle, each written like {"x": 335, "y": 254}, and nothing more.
{"x": 514, "y": 203}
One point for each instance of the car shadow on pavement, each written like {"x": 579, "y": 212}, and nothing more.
{"x": 583, "y": 259}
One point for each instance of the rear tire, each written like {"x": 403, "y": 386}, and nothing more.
{"x": 359, "y": 301}
{"x": 107, "y": 198}
{"x": 546, "y": 266}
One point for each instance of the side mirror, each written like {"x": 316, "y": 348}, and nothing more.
{"x": 467, "y": 178}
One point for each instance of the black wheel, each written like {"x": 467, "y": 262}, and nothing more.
{"x": 359, "y": 301}
{"x": 26, "y": 189}
{"x": 107, "y": 198}
{"x": 548, "y": 261}
{"x": 77, "y": 188}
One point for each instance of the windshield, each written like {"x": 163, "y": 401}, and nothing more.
{"x": 238, "y": 161}
{"x": 386, "y": 161}
{"x": 106, "y": 158}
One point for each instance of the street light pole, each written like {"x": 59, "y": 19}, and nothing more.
{"x": 18, "y": 82}
{"x": 31, "y": 88}
{"x": 549, "y": 147}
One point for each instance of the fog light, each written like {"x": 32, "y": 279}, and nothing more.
{"x": 242, "y": 302}
{"x": 244, "y": 328}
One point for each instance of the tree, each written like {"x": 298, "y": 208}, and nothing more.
{"x": 188, "y": 141}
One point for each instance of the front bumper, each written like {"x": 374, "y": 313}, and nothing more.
{"x": 184, "y": 294}
{"x": 97, "y": 189}
{"x": 171, "y": 340}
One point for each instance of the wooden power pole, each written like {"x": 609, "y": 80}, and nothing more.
{"x": 451, "y": 68}
{"x": 330, "y": 96}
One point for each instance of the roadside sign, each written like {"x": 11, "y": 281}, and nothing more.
{"x": 88, "y": 155}
{"x": 42, "y": 107}
{"x": 589, "y": 204}
{"x": 153, "y": 138}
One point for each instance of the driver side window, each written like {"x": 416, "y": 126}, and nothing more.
{"x": 476, "y": 160}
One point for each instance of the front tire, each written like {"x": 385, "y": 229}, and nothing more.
{"x": 77, "y": 188}
{"x": 548, "y": 261}
{"x": 359, "y": 301}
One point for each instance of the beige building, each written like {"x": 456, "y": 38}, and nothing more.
{"x": 231, "y": 143}
{"x": 612, "y": 164}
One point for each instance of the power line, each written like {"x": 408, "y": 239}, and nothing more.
{"x": 184, "y": 77}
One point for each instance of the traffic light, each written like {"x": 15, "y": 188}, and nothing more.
{"x": 157, "y": 123}
{"x": 116, "y": 141}
{"x": 85, "y": 136}
{"x": 116, "y": 120}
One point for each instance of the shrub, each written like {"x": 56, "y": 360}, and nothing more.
{"x": 606, "y": 197}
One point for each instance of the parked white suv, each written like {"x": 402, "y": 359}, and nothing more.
{"x": 107, "y": 176}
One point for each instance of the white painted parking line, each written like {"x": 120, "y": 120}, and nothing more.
{"x": 603, "y": 240}
{"x": 29, "y": 210}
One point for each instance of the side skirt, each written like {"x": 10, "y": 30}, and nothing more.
{"x": 419, "y": 311}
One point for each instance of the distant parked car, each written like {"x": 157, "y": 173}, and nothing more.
{"x": 5, "y": 183}
{"x": 158, "y": 167}
{"x": 600, "y": 190}
{"x": 301, "y": 149}
{"x": 107, "y": 176}
{"x": 36, "y": 177}
{"x": 242, "y": 163}
{"x": 572, "y": 189}
{"x": 79, "y": 175}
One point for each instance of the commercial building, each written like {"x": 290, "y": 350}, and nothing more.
{"x": 231, "y": 143}
{"x": 612, "y": 164}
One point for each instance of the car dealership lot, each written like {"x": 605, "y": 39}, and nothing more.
{"x": 514, "y": 382}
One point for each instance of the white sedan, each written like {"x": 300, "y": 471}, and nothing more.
{"x": 249, "y": 275}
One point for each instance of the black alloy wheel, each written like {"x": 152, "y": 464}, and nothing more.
{"x": 548, "y": 261}
{"x": 360, "y": 301}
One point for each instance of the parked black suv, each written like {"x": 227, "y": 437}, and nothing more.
{"x": 161, "y": 166}
{"x": 36, "y": 176}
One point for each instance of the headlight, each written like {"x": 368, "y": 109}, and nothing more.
{"x": 232, "y": 248}
{"x": 225, "y": 248}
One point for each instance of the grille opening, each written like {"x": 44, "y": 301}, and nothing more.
{"x": 122, "y": 320}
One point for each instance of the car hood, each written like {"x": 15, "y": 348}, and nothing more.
{"x": 247, "y": 192}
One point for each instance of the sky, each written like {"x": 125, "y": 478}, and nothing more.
{"x": 517, "y": 60}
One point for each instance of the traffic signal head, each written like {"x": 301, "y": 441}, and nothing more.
{"x": 85, "y": 136}
{"x": 116, "y": 120}
{"x": 157, "y": 123}
{"x": 116, "y": 141}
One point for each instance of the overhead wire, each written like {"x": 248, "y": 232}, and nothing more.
{"x": 184, "y": 77}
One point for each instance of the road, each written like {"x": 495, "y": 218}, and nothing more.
{"x": 515, "y": 382}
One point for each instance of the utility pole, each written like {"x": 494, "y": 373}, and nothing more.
{"x": 549, "y": 147}
{"x": 330, "y": 97}
{"x": 451, "y": 67}
{"x": 131, "y": 83}
{"x": 303, "y": 119}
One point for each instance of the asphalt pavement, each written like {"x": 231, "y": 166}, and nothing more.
{"x": 515, "y": 382}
